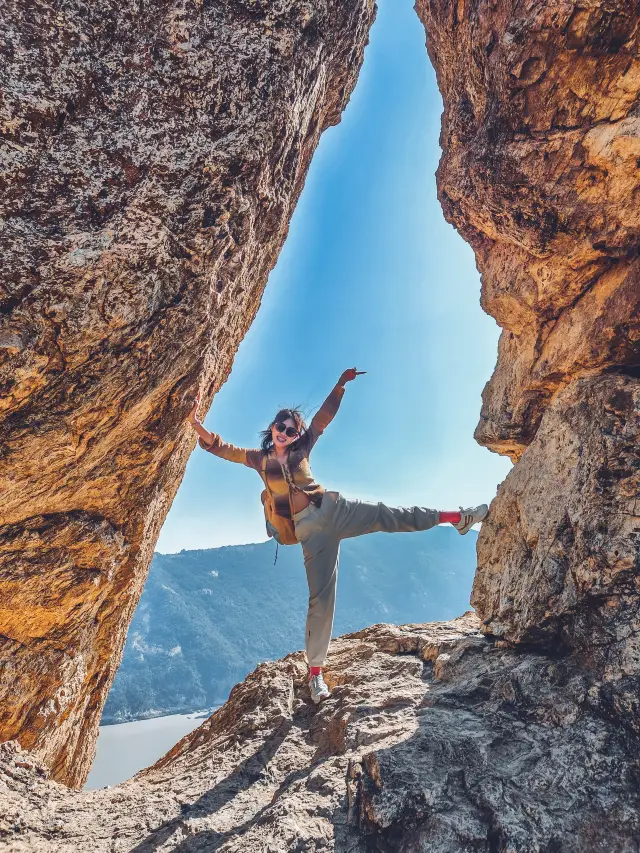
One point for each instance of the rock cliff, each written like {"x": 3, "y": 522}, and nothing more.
{"x": 518, "y": 730}
{"x": 541, "y": 147}
{"x": 541, "y": 137}
{"x": 152, "y": 157}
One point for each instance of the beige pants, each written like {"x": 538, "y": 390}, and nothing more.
{"x": 320, "y": 530}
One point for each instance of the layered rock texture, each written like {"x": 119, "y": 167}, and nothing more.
{"x": 152, "y": 157}
{"x": 516, "y": 731}
{"x": 541, "y": 138}
{"x": 435, "y": 739}
{"x": 541, "y": 173}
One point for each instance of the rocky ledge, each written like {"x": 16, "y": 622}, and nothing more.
{"x": 436, "y": 738}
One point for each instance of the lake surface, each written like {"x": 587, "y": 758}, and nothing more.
{"x": 125, "y": 748}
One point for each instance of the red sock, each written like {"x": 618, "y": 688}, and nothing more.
{"x": 449, "y": 518}
{"x": 314, "y": 670}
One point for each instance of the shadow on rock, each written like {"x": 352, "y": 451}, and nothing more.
{"x": 511, "y": 753}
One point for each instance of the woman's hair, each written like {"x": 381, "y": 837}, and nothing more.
{"x": 266, "y": 442}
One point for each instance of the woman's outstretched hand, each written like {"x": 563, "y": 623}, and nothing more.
{"x": 193, "y": 417}
{"x": 196, "y": 423}
{"x": 349, "y": 375}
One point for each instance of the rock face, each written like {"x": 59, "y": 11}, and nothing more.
{"x": 153, "y": 154}
{"x": 517, "y": 732}
{"x": 559, "y": 556}
{"x": 434, "y": 739}
{"x": 572, "y": 502}
{"x": 541, "y": 139}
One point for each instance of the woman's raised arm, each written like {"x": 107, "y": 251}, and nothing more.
{"x": 212, "y": 442}
{"x": 328, "y": 409}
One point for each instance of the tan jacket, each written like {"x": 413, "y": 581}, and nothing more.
{"x": 298, "y": 457}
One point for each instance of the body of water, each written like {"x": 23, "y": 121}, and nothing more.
{"x": 125, "y": 748}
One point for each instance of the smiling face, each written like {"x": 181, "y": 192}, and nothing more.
{"x": 280, "y": 439}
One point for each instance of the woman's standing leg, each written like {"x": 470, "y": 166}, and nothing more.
{"x": 321, "y": 557}
{"x": 321, "y": 549}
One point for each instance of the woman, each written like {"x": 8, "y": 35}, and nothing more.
{"x": 321, "y": 519}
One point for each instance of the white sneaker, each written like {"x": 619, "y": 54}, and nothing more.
{"x": 318, "y": 688}
{"x": 469, "y": 517}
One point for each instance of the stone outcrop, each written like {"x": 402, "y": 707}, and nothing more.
{"x": 559, "y": 556}
{"x": 152, "y": 157}
{"x": 541, "y": 142}
{"x": 541, "y": 139}
{"x": 567, "y": 561}
{"x": 435, "y": 739}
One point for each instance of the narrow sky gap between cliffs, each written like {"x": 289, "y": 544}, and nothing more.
{"x": 371, "y": 275}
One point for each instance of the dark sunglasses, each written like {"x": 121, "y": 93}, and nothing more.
{"x": 289, "y": 431}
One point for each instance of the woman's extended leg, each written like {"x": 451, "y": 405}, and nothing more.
{"x": 355, "y": 518}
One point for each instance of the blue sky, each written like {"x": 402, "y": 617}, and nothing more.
{"x": 380, "y": 282}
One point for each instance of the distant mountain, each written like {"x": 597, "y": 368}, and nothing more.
{"x": 207, "y": 618}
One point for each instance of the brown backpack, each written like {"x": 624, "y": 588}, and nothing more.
{"x": 281, "y": 529}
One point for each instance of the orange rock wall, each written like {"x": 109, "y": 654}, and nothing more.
{"x": 153, "y": 157}
{"x": 541, "y": 174}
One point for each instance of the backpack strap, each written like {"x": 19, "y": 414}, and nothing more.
{"x": 263, "y": 474}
